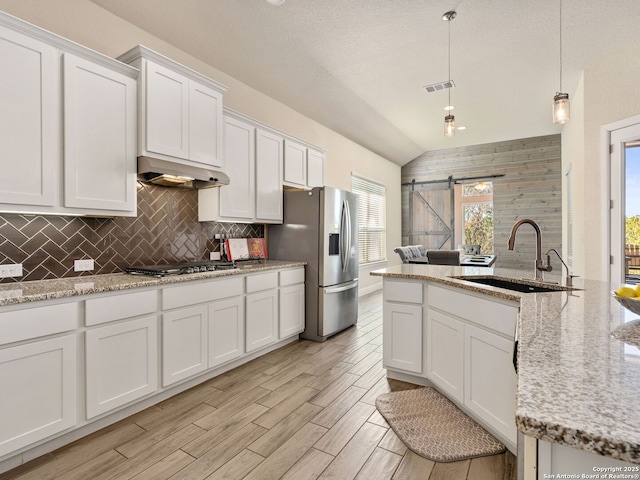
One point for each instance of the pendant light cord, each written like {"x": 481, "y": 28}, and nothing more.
{"x": 449, "y": 79}
{"x": 560, "y": 45}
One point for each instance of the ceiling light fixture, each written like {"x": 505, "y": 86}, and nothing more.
{"x": 449, "y": 120}
{"x": 561, "y": 113}
{"x": 275, "y": 2}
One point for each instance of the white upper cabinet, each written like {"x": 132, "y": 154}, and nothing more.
{"x": 315, "y": 168}
{"x": 295, "y": 164}
{"x": 268, "y": 176}
{"x": 68, "y": 126}
{"x": 167, "y": 112}
{"x": 98, "y": 170}
{"x": 179, "y": 110}
{"x": 29, "y": 139}
{"x": 303, "y": 167}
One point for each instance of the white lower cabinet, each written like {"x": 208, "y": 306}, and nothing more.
{"x": 490, "y": 379}
{"x": 467, "y": 348}
{"x": 121, "y": 363}
{"x": 402, "y": 331}
{"x": 402, "y": 326}
{"x": 445, "y": 353}
{"x": 226, "y": 331}
{"x": 291, "y": 310}
{"x": 262, "y": 319}
{"x": 38, "y": 391}
{"x": 184, "y": 343}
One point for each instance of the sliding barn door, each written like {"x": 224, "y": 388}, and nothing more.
{"x": 431, "y": 216}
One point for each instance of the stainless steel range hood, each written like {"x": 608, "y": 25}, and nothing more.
{"x": 170, "y": 174}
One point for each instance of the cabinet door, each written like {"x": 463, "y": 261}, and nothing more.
{"x": 262, "y": 319}
{"x": 205, "y": 125}
{"x": 237, "y": 200}
{"x": 167, "y": 115}
{"x": 315, "y": 168}
{"x": 402, "y": 333}
{"x": 226, "y": 330}
{"x": 268, "y": 177}
{"x": 291, "y": 310}
{"x": 30, "y": 119}
{"x": 295, "y": 163}
{"x": 121, "y": 363}
{"x": 184, "y": 344}
{"x": 490, "y": 379}
{"x": 99, "y": 138}
{"x": 38, "y": 391}
{"x": 445, "y": 353}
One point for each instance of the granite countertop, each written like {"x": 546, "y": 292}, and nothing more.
{"x": 23, "y": 292}
{"x": 578, "y": 385}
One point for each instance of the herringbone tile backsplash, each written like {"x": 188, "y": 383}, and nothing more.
{"x": 166, "y": 230}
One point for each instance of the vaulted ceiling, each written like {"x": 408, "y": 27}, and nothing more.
{"x": 358, "y": 66}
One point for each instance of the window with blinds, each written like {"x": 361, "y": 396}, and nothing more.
{"x": 371, "y": 219}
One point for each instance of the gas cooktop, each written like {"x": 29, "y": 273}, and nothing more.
{"x": 179, "y": 268}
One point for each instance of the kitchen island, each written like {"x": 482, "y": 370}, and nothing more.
{"x": 577, "y": 385}
{"x": 77, "y": 354}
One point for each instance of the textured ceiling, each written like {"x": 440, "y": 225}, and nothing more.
{"x": 358, "y": 66}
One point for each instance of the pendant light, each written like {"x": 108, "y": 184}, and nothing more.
{"x": 561, "y": 113}
{"x": 449, "y": 120}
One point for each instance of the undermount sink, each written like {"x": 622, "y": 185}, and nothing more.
{"x": 523, "y": 286}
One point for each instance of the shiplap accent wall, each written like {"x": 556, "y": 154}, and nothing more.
{"x": 531, "y": 188}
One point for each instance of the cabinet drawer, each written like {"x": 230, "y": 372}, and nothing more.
{"x": 399, "y": 291}
{"x": 37, "y": 322}
{"x": 263, "y": 281}
{"x": 483, "y": 311}
{"x": 291, "y": 277}
{"x": 192, "y": 293}
{"x": 116, "y": 307}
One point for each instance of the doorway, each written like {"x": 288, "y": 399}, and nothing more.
{"x": 624, "y": 219}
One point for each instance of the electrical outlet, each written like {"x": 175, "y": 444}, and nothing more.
{"x": 83, "y": 265}
{"x": 11, "y": 270}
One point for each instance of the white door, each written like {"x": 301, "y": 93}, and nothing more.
{"x": 291, "y": 310}
{"x": 205, "y": 125}
{"x": 237, "y": 200}
{"x": 295, "y": 163}
{"x": 490, "y": 379}
{"x": 621, "y": 140}
{"x": 226, "y": 330}
{"x": 262, "y": 319}
{"x": 402, "y": 331}
{"x": 99, "y": 138}
{"x": 121, "y": 363}
{"x": 30, "y": 120}
{"x": 315, "y": 168}
{"x": 38, "y": 391}
{"x": 268, "y": 176}
{"x": 184, "y": 343}
{"x": 167, "y": 115}
{"x": 445, "y": 353}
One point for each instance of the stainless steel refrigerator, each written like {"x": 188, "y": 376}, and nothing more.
{"x": 321, "y": 228}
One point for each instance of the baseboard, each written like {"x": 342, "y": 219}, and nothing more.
{"x": 370, "y": 289}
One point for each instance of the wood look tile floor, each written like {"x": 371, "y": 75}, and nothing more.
{"x": 304, "y": 411}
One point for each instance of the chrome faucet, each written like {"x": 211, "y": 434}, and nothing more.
{"x": 540, "y": 267}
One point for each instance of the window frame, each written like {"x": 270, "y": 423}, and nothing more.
{"x": 376, "y": 234}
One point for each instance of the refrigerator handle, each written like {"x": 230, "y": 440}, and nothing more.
{"x": 352, "y": 284}
{"x": 343, "y": 234}
{"x": 347, "y": 253}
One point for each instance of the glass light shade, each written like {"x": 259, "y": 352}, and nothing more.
{"x": 561, "y": 113}
{"x": 449, "y": 126}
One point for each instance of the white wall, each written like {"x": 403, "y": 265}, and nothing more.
{"x": 610, "y": 93}
{"x": 94, "y": 27}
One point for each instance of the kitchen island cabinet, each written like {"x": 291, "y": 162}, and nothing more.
{"x": 141, "y": 339}
{"x": 575, "y": 393}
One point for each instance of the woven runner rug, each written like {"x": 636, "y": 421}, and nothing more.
{"x": 433, "y": 427}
